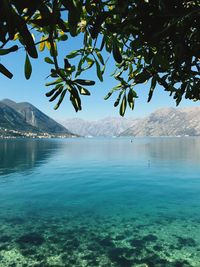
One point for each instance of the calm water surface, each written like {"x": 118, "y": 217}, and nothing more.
{"x": 100, "y": 202}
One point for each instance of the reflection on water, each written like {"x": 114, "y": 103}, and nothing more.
{"x": 187, "y": 149}
{"x": 25, "y": 154}
{"x": 100, "y": 202}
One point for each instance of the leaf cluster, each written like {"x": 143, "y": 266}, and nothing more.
{"x": 150, "y": 40}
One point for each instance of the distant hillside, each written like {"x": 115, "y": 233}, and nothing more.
{"x": 167, "y": 122}
{"x": 104, "y": 127}
{"x": 162, "y": 122}
{"x": 26, "y": 117}
{"x": 10, "y": 119}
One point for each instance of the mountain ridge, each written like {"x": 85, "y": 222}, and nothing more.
{"x": 162, "y": 122}
{"x": 26, "y": 117}
{"x": 168, "y": 122}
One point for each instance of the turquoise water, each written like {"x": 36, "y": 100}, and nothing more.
{"x": 100, "y": 202}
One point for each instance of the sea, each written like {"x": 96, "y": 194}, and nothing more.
{"x": 100, "y": 202}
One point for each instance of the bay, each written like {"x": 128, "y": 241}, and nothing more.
{"x": 100, "y": 202}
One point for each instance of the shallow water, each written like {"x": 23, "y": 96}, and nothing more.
{"x": 100, "y": 202}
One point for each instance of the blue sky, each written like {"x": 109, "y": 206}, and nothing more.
{"x": 94, "y": 106}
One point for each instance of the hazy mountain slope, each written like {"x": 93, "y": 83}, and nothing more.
{"x": 167, "y": 122}
{"x": 35, "y": 117}
{"x": 104, "y": 127}
{"x": 11, "y": 119}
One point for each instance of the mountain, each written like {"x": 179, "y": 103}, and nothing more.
{"x": 168, "y": 122}
{"x": 10, "y": 119}
{"x": 26, "y": 117}
{"x": 105, "y": 127}
{"x": 162, "y": 122}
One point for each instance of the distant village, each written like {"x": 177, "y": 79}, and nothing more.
{"x": 8, "y": 134}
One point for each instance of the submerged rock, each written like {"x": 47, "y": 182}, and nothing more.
{"x": 150, "y": 238}
{"x": 117, "y": 255}
{"x": 5, "y": 239}
{"x": 106, "y": 242}
{"x": 30, "y": 239}
{"x": 188, "y": 241}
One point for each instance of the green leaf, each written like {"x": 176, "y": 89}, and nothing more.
{"x": 99, "y": 73}
{"x": 83, "y": 91}
{"x": 63, "y": 37}
{"x": 102, "y": 44}
{"x": 60, "y": 99}
{"x": 8, "y": 50}
{"x": 27, "y": 68}
{"x": 57, "y": 93}
{"x": 75, "y": 99}
{"x": 84, "y": 82}
{"x": 50, "y": 93}
{"x": 123, "y": 106}
{"x": 118, "y": 87}
{"x": 153, "y": 85}
{"x": 48, "y": 60}
{"x": 25, "y": 34}
{"x": 131, "y": 96}
{"x": 66, "y": 63}
{"x": 59, "y": 80}
{"x": 108, "y": 95}
{"x": 99, "y": 57}
{"x": 74, "y": 13}
{"x": 142, "y": 77}
{"x": 5, "y": 71}
{"x": 118, "y": 99}
{"x": 73, "y": 54}
{"x": 116, "y": 53}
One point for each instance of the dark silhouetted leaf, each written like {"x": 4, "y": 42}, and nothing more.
{"x": 142, "y": 77}
{"x": 5, "y": 71}
{"x": 84, "y": 82}
{"x": 8, "y": 50}
{"x": 60, "y": 99}
{"x": 27, "y": 67}
{"x": 153, "y": 85}
{"x": 123, "y": 106}
{"x": 83, "y": 91}
{"x": 57, "y": 93}
{"x": 99, "y": 73}
{"x": 116, "y": 53}
{"x": 48, "y": 60}
{"x": 118, "y": 99}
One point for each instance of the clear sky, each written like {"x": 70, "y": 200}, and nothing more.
{"x": 94, "y": 106}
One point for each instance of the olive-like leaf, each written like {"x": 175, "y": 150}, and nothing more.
{"x": 48, "y": 60}
{"x": 153, "y": 85}
{"x": 82, "y": 90}
{"x": 98, "y": 69}
{"x": 118, "y": 99}
{"x": 57, "y": 93}
{"x": 116, "y": 53}
{"x": 84, "y": 82}
{"x": 8, "y": 50}
{"x": 50, "y": 93}
{"x": 5, "y": 71}
{"x": 59, "y": 80}
{"x": 142, "y": 77}
{"x": 60, "y": 99}
{"x": 123, "y": 106}
{"x": 108, "y": 95}
{"x": 72, "y": 54}
{"x": 27, "y": 67}
{"x": 99, "y": 57}
{"x": 131, "y": 96}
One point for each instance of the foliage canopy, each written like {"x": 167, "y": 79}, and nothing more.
{"x": 150, "y": 40}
